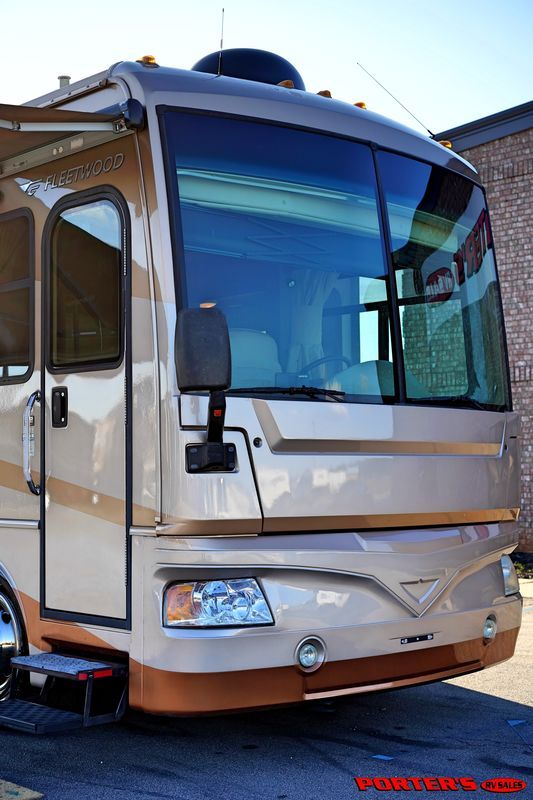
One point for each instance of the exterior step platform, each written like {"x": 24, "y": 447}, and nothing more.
{"x": 21, "y": 715}
{"x": 58, "y": 666}
{"x": 72, "y": 695}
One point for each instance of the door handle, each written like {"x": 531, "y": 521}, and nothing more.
{"x": 28, "y": 441}
{"x": 60, "y": 407}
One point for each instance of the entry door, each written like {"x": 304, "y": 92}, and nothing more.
{"x": 85, "y": 392}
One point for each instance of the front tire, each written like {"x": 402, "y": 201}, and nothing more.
{"x": 12, "y": 640}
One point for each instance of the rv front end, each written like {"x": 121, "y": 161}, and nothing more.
{"x": 351, "y": 613}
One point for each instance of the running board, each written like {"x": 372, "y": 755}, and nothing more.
{"x": 98, "y": 687}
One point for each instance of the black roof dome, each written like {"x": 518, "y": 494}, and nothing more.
{"x": 252, "y": 65}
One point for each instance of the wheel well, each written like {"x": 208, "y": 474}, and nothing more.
{"x": 6, "y": 589}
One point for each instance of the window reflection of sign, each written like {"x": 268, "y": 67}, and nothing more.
{"x": 469, "y": 256}
{"x": 439, "y": 285}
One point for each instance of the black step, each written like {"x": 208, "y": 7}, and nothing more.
{"x": 22, "y": 715}
{"x": 70, "y": 683}
{"x": 76, "y": 669}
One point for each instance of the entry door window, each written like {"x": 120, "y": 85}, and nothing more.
{"x": 16, "y": 315}
{"x": 86, "y": 288}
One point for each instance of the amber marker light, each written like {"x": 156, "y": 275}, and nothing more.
{"x": 147, "y": 61}
{"x": 446, "y": 143}
{"x": 207, "y": 304}
{"x": 288, "y": 84}
{"x": 179, "y": 603}
{"x": 324, "y": 93}
{"x": 360, "y": 104}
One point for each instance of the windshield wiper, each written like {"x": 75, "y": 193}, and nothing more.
{"x": 457, "y": 400}
{"x": 309, "y": 391}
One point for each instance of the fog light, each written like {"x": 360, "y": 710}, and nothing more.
{"x": 489, "y": 629}
{"x": 510, "y": 578}
{"x": 310, "y": 654}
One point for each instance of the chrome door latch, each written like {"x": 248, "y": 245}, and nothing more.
{"x": 28, "y": 441}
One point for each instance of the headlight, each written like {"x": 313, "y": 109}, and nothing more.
{"x": 510, "y": 578}
{"x": 204, "y": 604}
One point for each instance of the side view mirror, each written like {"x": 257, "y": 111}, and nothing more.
{"x": 202, "y": 350}
{"x": 203, "y": 363}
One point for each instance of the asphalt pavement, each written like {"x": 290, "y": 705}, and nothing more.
{"x": 479, "y": 726}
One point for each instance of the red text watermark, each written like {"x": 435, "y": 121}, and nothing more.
{"x": 440, "y": 784}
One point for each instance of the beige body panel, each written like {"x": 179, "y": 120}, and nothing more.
{"x": 329, "y": 466}
{"x": 85, "y": 554}
{"x": 190, "y": 504}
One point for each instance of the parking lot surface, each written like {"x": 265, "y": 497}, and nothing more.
{"x": 479, "y": 726}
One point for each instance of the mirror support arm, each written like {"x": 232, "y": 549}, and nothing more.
{"x": 216, "y": 415}
{"x": 214, "y": 455}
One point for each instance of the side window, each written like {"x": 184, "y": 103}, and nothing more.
{"x": 448, "y": 295}
{"x": 16, "y": 297}
{"x": 86, "y": 288}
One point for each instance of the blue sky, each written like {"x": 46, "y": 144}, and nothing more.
{"x": 449, "y": 62}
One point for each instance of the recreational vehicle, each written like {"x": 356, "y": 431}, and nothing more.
{"x": 257, "y": 443}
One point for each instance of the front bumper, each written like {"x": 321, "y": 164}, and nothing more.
{"x": 360, "y": 604}
{"x": 167, "y": 692}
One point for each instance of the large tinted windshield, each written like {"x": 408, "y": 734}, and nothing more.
{"x": 281, "y": 231}
{"x": 443, "y": 256}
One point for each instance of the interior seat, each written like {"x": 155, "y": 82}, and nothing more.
{"x": 374, "y": 378}
{"x": 254, "y": 358}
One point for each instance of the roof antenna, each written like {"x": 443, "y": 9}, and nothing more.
{"x": 221, "y": 45}
{"x": 396, "y": 99}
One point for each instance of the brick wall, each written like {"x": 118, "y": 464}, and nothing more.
{"x": 506, "y": 169}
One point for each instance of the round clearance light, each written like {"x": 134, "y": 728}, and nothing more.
{"x": 310, "y": 654}
{"x": 489, "y": 629}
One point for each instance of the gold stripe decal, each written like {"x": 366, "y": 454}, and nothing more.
{"x": 96, "y": 504}
{"x": 386, "y": 447}
{"x": 476, "y": 516}
{"x": 12, "y": 477}
{"x": 78, "y": 498}
{"x": 86, "y": 501}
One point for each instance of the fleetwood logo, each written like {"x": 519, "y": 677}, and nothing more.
{"x": 503, "y": 785}
{"x": 82, "y": 172}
